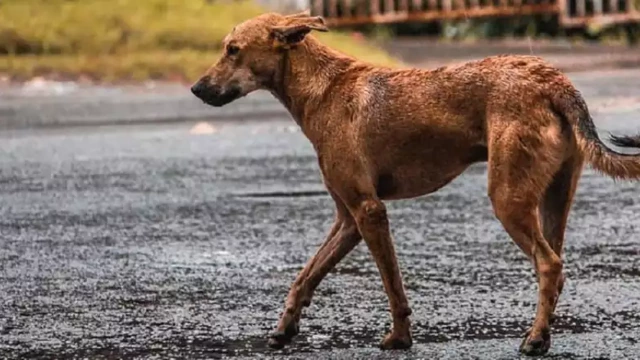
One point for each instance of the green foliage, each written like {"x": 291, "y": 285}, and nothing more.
{"x": 110, "y": 26}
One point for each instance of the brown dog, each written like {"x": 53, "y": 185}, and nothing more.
{"x": 384, "y": 134}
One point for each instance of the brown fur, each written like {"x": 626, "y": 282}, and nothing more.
{"x": 383, "y": 134}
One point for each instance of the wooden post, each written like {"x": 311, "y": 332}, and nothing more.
{"x": 333, "y": 9}
{"x": 563, "y": 12}
{"x": 388, "y": 7}
{"x": 317, "y": 8}
{"x": 374, "y": 5}
{"x": 403, "y": 6}
{"x": 614, "y": 6}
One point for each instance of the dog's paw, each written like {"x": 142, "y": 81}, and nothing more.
{"x": 276, "y": 342}
{"x": 279, "y": 338}
{"x": 536, "y": 344}
{"x": 396, "y": 342}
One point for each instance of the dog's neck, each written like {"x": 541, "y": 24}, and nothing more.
{"x": 304, "y": 78}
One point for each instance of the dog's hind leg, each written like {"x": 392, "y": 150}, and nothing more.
{"x": 522, "y": 163}
{"x": 555, "y": 207}
{"x": 342, "y": 238}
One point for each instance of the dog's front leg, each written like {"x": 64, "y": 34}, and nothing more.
{"x": 342, "y": 238}
{"x": 372, "y": 221}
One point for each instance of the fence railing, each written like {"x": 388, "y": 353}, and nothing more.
{"x": 571, "y": 13}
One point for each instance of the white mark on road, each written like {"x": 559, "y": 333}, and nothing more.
{"x": 203, "y": 128}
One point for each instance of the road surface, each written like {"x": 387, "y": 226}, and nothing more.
{"x": 155, "y": 242}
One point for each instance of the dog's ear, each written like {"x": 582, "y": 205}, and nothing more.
{"x": 296, "y": 29}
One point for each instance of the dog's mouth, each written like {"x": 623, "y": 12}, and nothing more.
{"x": 221, "y": 98}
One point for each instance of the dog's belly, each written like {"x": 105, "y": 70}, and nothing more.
{"x": 413, "y": 153}
{"x": 421, "y": 174}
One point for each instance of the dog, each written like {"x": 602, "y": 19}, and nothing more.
{"x": 384, "y": 133}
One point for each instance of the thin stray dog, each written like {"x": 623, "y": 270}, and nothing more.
{"x": 385, "y": 134}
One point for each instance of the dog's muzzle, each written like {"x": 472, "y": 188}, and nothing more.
{"x": 214, "y": 95}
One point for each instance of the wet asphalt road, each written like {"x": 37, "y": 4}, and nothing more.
{"x": 151, "y": 242}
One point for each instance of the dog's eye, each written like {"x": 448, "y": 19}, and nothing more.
{"x": 232, "y": 50}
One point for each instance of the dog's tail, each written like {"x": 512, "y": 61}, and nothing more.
{"x": 617, "y": 165}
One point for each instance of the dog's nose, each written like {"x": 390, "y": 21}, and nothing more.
{"x": 197, "y": 88}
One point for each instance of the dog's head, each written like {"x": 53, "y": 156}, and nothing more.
{"x": 252, "y": 53}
